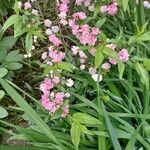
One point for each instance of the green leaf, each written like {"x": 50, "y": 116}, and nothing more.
{"x": 3, "y": 72}
{"x": 75, "y": 135}
{"x": 14, "y": 66}
{"x": 28, "y": 42}
{"x": 2, "y": 94}
{"x": 121, "y": 68}
{"x": 17, "y": 26}
{"x": 65, "y": 66}
{"x": 8, "y": 42}
{"x": 9, "y": 22}
{"x": 111, "y": 130}
{"x": 143, "y": 74}
{"x": 147, "y": 64}
{"x": 132, "y": 140}
{"x": 3, "y": 54}
{"x": 99, "y": 57}
{"x": 14, "y": 56}
{"x": 3, "y": 113}
{"x": 125, "y": 4}
{"x": 85, "y": 119}
{"x": 31, "y": 113}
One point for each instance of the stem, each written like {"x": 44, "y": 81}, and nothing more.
{"x": 101, "y": 139}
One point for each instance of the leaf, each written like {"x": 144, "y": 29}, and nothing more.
{"x": 99, "y": 57}
{"x": 84, "y": 129}
{"x": 111, "y": 130}
{"x": 3, "y": 72}
{"x": 86, "y": 119}
{"x": 9, "y": 22}
{"x": 121, "y": 68}
{"x": 143, "y": 73}
{"x": 28, "y": 42}
{"x": 8, "y": 42}
{"x": 31, "y": 113}
{"x": 147, "y": 64}
{"x": 3, "y": 113}
{"x": 65, "y": 66}
{"x": 75, "y": 135}
{"x": 17, "y": 26}
{"x": 3, "y": 54}
{"x": 14, "y": 56}
{"x": 133, "y": 138}
{"x": 14, "y": 66}
{"x": 125, "y": 4}
{"x": 2, "y": 94}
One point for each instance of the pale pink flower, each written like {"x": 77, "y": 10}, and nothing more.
{"x": 103, "y": 9}
{"x": 79, "y": 2}
{"x": 112, "y": 61}
{"x": 82, "y": 67}
{"x": 47, "y": 23}
{"x": 27, "y": 5}
{"x": 112, "y": 46}
{"x": 79, "y": 15}
{"x": 123, "y": 55}
{"x": 82, "y": 54}
{"x": 44, "y": 55}
{"x": 56, "y": 79}
{"x": 63, "y": 22}
{"x": 92, "y": 71}
{"x": 65, "y": 112}
{"x": 106, "y": 66}
{"x": 93, "y": 51}
{"x": 75, "y": 50}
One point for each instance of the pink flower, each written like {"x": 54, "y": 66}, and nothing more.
{"x": 59, "y": 97}
{"x": 65, "y": 112}
{"x": 79, "y": 15}
{"x": 79, "y": 2}
{"x": 63, "y": 7}
{"x": 103, "y": 9}
{"x": 44, "y": 55}
{"x": 82, "y": 67}
{"x": 55, "y": 40}
{"x": 123, "y": 55}
{"x": 112, "y": 61}
{"x": 95, "y": 31}
{"x": 46, "y": 85}
{"x": 82, "y": 54}
{"x": 47, "y": 23}
{"x": 27, "y": 5}
{"x": 112, "y": 9}
{"x": 106, "y": 66}
{"x": 87, "y": 3}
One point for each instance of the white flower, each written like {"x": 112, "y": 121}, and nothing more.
{"x": 55, "y": 29}
{"x": 35, "y": 12}
{"x": 52, "y": 94}
{"x": 75, "y": 49}
{"x": 48, "y": 31}
{"x": 25, "y": 56}
{"x": 62, "y": 15}
{"x": 33, "y": 1}
{"x": 95, "y": 77}
{"x": 145, "y": 3}
{"x": 67, "y": 94}
{"x": 35, "y": 37}
{"x": 19, "y": 5}
{"x": 64, "y": 22}
{"x": 29, "y": 55}
{"x": 91, "y": 8}
{"x": 82, "y": 67}
{"x": 33, "y": 47}
{"x": 51, "y": 48}
{"x": 70, "y": 83}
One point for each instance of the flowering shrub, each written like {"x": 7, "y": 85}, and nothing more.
{"x": 91, "y": 53}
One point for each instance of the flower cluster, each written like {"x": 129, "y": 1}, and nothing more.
{"x": 109, "y": 9}
{"x": 123, "y": 56}
{"x": 52, "y": 101}
{"x": 85, "y": 33}
{"x": 63, "y": 9}
{"x": 146, "y": 4}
